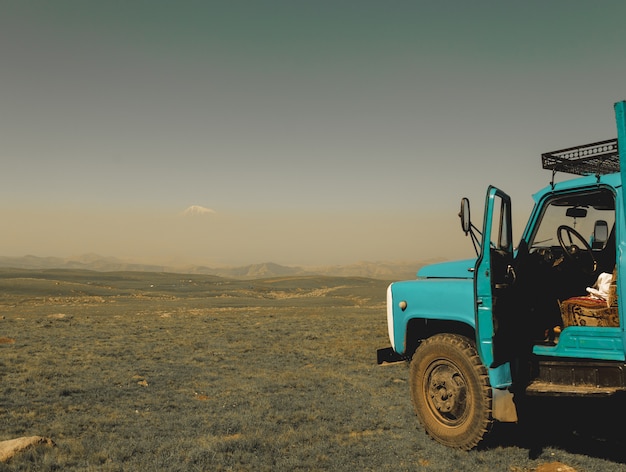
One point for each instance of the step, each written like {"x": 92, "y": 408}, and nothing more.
{"x": 546, "y": 388}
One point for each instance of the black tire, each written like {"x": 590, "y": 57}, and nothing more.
{"x": 450, "y": 391}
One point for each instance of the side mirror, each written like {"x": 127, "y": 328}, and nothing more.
{"x": 600, "y": 233}
{"x": 464, "y": 214}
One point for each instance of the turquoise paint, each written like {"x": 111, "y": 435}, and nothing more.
{"x": 587, "y": 343}
{"x": 433, "y": 299}
{"x": 500, "y": 377}
{"x": 483, "y": 280}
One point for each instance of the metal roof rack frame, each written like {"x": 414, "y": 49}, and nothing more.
{"x": 589, "y": 159}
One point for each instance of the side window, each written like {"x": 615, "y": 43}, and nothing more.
{"x": 500, "y": 237}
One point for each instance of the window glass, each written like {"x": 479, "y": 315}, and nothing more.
{"x": 579, "y": 211}
{"x": 500, "y": 232}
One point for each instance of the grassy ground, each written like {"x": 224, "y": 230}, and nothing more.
{"x": 140, "y": 371}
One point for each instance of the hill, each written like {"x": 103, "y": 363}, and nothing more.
{"x": 378, "y": 270}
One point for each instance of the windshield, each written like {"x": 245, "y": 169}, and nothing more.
{"x": 586, "y": 213}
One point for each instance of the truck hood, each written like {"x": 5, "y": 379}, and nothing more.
{"x": 450, "y": 270}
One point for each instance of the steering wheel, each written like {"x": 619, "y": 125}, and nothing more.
{"x": 572, "y": 251}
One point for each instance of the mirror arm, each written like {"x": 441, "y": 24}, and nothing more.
{"x": 475, "y": 241}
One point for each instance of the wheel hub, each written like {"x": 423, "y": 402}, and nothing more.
{"x": 447, "y": 393}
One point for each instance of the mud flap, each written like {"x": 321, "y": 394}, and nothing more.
{"x": 388, "y": 356}
{"x": 503, "y": 407}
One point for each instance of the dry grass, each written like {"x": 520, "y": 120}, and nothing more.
{"x": 138, "y": 371}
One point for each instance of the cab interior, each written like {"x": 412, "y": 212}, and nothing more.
{"x": 573, "y": 241}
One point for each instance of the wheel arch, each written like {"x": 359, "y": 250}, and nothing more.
{"x": 419, "y": 329}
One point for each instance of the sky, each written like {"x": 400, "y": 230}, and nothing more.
{"x": 297, "y": 132}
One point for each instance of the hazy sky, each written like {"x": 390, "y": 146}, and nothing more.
{"x": 315, "y": 132}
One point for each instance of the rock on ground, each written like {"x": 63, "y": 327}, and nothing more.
{"x": 11, "y": 447}
{"x": 555, "y": 467}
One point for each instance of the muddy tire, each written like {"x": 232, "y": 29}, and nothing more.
{"x": 450, "y": 391}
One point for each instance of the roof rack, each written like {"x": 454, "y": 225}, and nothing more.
{"x": 590, "y": 159}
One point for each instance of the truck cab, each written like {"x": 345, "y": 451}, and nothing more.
{"x": 543, "y": 317}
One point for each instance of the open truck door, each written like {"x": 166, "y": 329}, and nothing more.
{"x": 494, "y": 277}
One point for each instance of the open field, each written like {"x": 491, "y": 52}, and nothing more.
{"x": 144, "y": 371}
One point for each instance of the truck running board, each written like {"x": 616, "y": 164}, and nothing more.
{"x": 577, "y": 377}
{"x": 539, "y": 388}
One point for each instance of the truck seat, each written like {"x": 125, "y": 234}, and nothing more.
{"x": 592, "y": 311}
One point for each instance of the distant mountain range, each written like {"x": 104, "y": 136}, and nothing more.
{"x": 375, "y": 270}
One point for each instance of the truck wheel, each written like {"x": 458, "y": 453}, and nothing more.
{"x": 450, "y": 391}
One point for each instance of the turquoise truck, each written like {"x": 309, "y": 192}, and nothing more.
{"x": 543, "y": 318}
